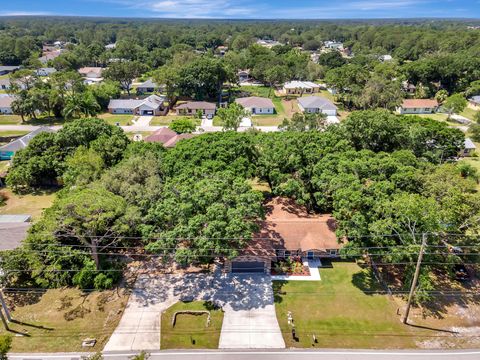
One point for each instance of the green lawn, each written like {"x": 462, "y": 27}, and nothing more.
{"x": 163, "y": 120}
{"x": 191, "y": 331}
{"x": 113, "y": 119}
{"x": 469, "y": 113}
{"x": 341, "y": 312}
{"x": 262, "y": 91}
{"x": 60, "y": 319}
{"x": 10, "y": 119}
{"x": 8, "y": 133}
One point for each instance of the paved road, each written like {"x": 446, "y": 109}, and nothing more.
{"x": 271, "y": 355}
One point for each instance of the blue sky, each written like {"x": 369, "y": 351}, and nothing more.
{"x": 296, "y": 9}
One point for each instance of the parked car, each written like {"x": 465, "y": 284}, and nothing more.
{"x": 461, "y": 273}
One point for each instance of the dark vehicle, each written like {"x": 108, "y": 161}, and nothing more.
{"x": 461, "y": 273}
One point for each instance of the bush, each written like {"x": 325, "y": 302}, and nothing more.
{"x": 182, "y": 126}
{"x": 5, "y": 345}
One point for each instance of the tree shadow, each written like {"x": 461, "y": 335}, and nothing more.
{"x": 365, "y": 281}
{"x": 278, "y": 293}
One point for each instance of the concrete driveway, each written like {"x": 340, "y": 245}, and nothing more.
{"x": 249, "y": 319}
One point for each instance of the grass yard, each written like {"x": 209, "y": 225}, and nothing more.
{"x": 10, "y": 133}
{"x": 143, "y": 133}
{"x": 469, "y": 113}
{"x": 113, "y": 119}
{"x": 261, "y": 91}
{"x": 32, "y": 204}
{"x": 60, "y": 319}
{"x": 10, "y": 120}
{"x": 341, "y": 312}
{"x": 163, "y": 120}
{"x": 191, "y": 331}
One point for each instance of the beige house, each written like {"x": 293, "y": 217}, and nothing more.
{"x": 300, "y": 87}
{"x": 257, "y": 105}
{"x": 192, "y": 108}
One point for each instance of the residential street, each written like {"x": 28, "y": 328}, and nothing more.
{"x": 271, "y": 355}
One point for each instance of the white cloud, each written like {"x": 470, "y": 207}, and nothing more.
{"x": 24, "y": 13}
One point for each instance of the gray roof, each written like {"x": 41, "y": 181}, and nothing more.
{"x": 316, "y": 102}
{"x": 475, "y": 99}
{"x": 197, "y": 105}
{"x": 148, "y": 84}
{"x": 12, "y": 235}
{"x": 153, "y": 101}
{"x": 46, "y": 70}
{"x": 8, "y": 68}
{"x": 255, "y": 102}
{"x": 22, "y": 142}
{"x": 469, "y": 144}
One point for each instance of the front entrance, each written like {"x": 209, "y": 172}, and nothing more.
{"x": 310, "y": 255}
{"x": 147, "y": 112}
{"x": 248, "y": 267}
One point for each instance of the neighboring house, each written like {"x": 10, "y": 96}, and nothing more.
{"x": 8, "y": 69}
{"x": 6, "y": 104}
{"x": 191, "y": 108}
{"x": 468, "y": 147}
{"x": 300, "y": 87}
{"x": 221, "y": 50}
{"x": 268, "y": 43}
{"x": 474, "y": 102}
{"x": 257, "y": 105}
{"x": 91, "y": 72}
{"x": 335, "y": 45}
{"x": 408, "y": 87}
{"x": 152, "y": 105}
{"x": 50, "y": 55}
{"x": 147, "y": 87}
{"x": 243, "y": 75}
{"x": 317, "y": 104}
{"x": 288, "y": 230}
{"x": 418, "y": 106}
{"x": 47, "y": 71}
{"x": 6, "y": 84}
{"x": 385, "y": 58}
{"x": 110, "y": 46}
{"x": 167, "y": 137}
{"x": 7, "y": 151}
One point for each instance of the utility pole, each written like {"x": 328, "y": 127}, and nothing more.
{"x": 4, "y": 306}
{"x": 415, "y": 278}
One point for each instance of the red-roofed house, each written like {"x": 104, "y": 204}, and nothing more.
{"x": 288, "y": 230}
{"x": 167, "y": 137}
{"x": 418, "y": 106}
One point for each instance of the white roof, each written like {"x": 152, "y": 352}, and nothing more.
{"x": 469, "y": 144}
{"x": 300, "y": 84}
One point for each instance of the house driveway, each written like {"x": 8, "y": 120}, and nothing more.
{"x": 249, "y": 319}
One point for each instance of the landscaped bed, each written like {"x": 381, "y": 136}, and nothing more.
{"x": 191, "y": 330}
{"x": 60, "y": 319}
{"x": 291, "y": 267}
{"x": 342, "y": 310}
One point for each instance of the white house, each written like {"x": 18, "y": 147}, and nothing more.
{"x": 147, "y": 87}
{"x": 385, "y": 58}
{"x": 335, "y": 45}
{"x": 317, "y": 104}
{"x": 46, "y": 71}
{"x": 300, "y": 87}
{"x": 152, "y": 105}
{"x": 257, "y": 105}
{"x": 91, "y": 72}
{"x": 418, "y": 106}
{"x": 474, "y": 102}
{"x": 243, "y": 75}
{"x": 468, "y": 147}
{"x": 6, "y": 104}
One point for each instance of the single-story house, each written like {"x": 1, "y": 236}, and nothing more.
{"x": 288, "y": 230}
{"x": 91, "y": 72}
{"x": 300, "y": 87}
{"x": 110, "y": 46}
{"x": 147, "y": 87}
{"x": 468, "y": 147}
{"x": 418, "y": 106}
{"x": 7, "y": 151}
{"x": 408, "y": 87}
{"x": 167, "y": 137}
{"x": 268, "y": 43}
{"x": 474, "y": 102}
{"x": 317, "y": 104}
{"x": 191, "y": 108}
{"x": 243, "y": 75}
{"x": 6, "y": 104}
{"x": 152, "y": 105}
{"x": 46, "y": 71}
{"x": 5, "y": 84}
{"x": 8, "y": 69}
{"x": 385, "y": 58}
{"x": 257, "y": 105}
{"x": 50, "y": 55}
{"x": 336, "y": 45}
